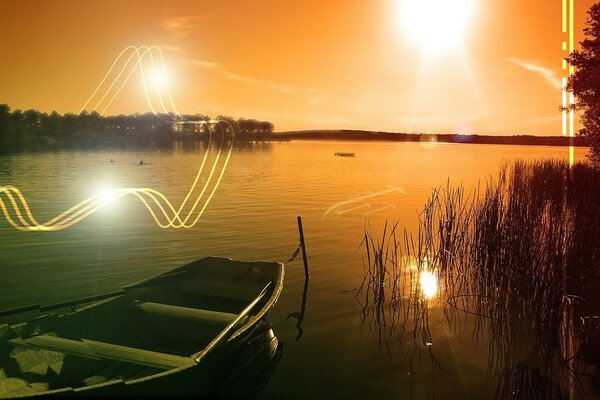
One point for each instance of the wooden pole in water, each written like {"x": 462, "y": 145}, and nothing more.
{"x": 303, "y": 246}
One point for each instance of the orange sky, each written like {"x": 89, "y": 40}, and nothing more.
{"x": 300, "y": 64}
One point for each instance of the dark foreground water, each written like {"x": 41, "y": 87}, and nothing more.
{"x": 253, "y": 216}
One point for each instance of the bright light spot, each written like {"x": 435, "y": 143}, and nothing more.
{"x": 429, "y": 284}
{"x": 106, "y": 196}
{"x": 428, "y": 141}
{"x": 159, "y": 78}
{"x": 436, "y": 26}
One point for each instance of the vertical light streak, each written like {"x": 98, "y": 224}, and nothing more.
{"x": 568, "y": 114}
{"x": 564, "y": 67}
{"x": 564, "y": 16}
{"x": 571, "y": 71}
{"x": 568, "y": 323}
{"x": 564, "y": 106}
{"x": 571, "y": 131}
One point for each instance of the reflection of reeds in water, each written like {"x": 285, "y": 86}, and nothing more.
{"x": 521, "y": 257}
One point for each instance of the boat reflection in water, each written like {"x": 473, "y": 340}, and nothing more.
{"x": 200, "y": 329}
{"x": 247, "y": 371}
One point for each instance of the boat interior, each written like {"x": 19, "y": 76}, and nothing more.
{"x": 153, "y": 326}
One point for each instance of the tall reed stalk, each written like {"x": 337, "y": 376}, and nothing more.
{"x": 522, "y": 256}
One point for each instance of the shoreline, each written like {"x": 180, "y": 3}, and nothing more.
{"x": 359, "y": 135}
{"x": 94, "y": 139}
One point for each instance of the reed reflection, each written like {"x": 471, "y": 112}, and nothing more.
{"x": 516, "y": 259}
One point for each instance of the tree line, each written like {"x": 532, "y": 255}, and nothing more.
{"x": 21, "y": 124}
{"x": 18, "y": 124}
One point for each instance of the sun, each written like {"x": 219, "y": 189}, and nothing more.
{"x": 159, "y": 78}
{"x": 436, "y": 26}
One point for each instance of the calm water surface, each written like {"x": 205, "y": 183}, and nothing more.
{"x": 253, "y": 216}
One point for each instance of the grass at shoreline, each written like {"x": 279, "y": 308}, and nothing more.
{"x": 521, "y": 256}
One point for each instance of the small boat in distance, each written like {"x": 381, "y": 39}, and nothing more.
{"x": 345, "y": 154}
{"x": 200, "y": 329}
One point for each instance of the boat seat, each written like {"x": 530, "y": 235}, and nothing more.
{"x": 104, "y": 351}
{"x": 207, "y": 317}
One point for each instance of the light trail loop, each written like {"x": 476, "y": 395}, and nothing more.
{"x": 162, "y": 210}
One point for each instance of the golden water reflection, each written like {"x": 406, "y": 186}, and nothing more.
{"x": 429, "y": 284}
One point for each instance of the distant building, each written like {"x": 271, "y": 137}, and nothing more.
{"x": 189, "y": 128}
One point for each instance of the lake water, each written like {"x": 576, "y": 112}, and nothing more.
{"x": 253, "y": 216}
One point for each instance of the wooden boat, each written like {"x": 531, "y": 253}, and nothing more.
{"x": 186, "y": 331}
{"x": 345, "y": 154}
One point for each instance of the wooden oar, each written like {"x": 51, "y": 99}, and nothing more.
{"x": 216, "y": 341}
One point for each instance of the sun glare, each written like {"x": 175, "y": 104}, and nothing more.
{"x": 436, "y": 26}
{"x": 105, "y": 196}
{"x": 159, "y": 78}
{"x": 429, "y": 284}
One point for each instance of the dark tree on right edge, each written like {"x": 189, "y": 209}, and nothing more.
{"x": 585, "y": 82}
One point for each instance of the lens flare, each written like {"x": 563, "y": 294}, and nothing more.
{"x": 429, "y": 284}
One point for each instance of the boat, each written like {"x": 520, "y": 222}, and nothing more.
{"x": 345, "y": 154}
{"x": 194, "y": 330}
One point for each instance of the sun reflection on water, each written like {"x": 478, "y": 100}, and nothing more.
{"x": 429, "y": 284}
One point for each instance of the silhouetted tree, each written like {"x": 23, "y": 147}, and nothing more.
{"x": 31, "y": 119}
{"x": 254, "y": 128}
{"x": 585, "y": 82}
{"x": 247, "y": 127}
{"x": 231, "y": 121}
{"x": 19, "y": 124}
{"x": 5, "y": 121}
{"x": 54, "y": 122}
{"x": 266, "y": 127}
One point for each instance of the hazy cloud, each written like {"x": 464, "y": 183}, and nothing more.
{"x": 234, "y": 76}
{"x": 436, "y": 122}
{"x": 549, "y": 75}
{"x": 171, "y": 48}
{"x": 180, "y": 26}
{"x": 316, "y": 100}
{"x": 535, "y": 122}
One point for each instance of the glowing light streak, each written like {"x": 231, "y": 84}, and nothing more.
{"x": 139, "y": 62}
{"x": 571, "y": 72}
{"x": 379, "y": 209}
{"x": 564, "y": 105}
{"x": 358, "y": 199}
{"x": 353, "y": 209}
{"x": 140, "y": 53}
{"x": 564, "y": 16}
{"x": 158, "y": 205}
{"x": 568, "y": 114}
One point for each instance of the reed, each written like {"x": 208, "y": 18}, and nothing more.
{"x": 520, "y": 254}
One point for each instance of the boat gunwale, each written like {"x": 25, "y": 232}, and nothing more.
{"x": 251, "y": 323}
